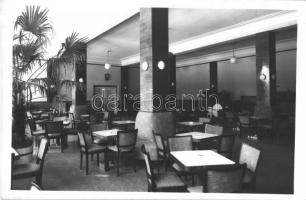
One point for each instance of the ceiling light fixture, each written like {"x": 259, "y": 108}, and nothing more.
{"x": 233, "y": 59}
{"x": 107, "y": 65}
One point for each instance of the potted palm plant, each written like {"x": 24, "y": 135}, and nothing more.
{"x": 32, "y": 30}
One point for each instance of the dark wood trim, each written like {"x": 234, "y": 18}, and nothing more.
{"x": 195, "y": 65}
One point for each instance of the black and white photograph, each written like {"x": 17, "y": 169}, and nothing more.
{"x": 152, "y": 99}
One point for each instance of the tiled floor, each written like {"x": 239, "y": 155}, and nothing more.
{"x": 61, "y": 171}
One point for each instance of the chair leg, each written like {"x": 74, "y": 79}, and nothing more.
{"x": 106, "y": 166}
{"x": 81, "y": 160}
{"x": 98, "y": 159}
{"x": 134, "y": 162}
{"x": 118, "y": 159}
{"x": 39, "y": 179}
{"x": 91, "y": 157}
{"x": 86, "y": 164}
{"x": 192, "y": 179}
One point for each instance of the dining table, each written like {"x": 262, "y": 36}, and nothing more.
{"x": 108, "y": 134}
{"x": 199, "y": 137}
{"x": 197, "y": 160}
{"x": 123, "y": 123}
{"x": 191, "y": 125}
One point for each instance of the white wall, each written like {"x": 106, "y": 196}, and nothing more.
{"x": 95, "y": 76}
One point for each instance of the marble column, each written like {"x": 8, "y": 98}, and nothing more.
{"x": 265, "y": 74}
{"x": 155, "y": 80}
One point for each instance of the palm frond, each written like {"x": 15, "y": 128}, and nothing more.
{"x": 34, "y": 21}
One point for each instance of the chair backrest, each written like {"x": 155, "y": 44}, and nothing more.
{"x": 35, "y": 187}
{"x": 204, "y": 120}
{"x": 42, "y": 151}
{"x": 53, "y": 127}
{"x": 226, "y": 143}
{"x": 249, "y": 155}
{"x": 224, "y": 178}
{"x": 32, "y": 125}
{"x": 159, "y": 142}
{"x": 61, "y": 118}
{"x": 244, "y": 120}
{"x": 213, "y": 129}
{"x": 105, "y": 116}
{"x": 127, "y": 139}
{"x": 82, "y": 141}
{"x": 149, "y": 169}
{"x": 179, "y": 143}
{"x": 97, "y": 127}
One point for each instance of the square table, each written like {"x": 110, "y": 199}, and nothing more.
{"x": 106, "y": 133}
{"x": 198, "y": 137}
{"x": 190, "y": 124}
{"x": 199, "y": 159}
{"x": 123, "y": 123}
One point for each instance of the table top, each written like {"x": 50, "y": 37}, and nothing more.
{"x": 65, "y": 123}
{"x": 106, "y": 133}
{"x": 123, "y": 122}
{"x": 198, "y": 136}
{"x": 190, "y": 123}
{"x": 84, "y": 115}
{"x": 200, "y": 158}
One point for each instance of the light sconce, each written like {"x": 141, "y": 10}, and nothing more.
{"x": 233, "y": 59}
{"x": 262, "y": 77}
{"x": 107, "y": 66}
{"x": 81, "y": 80}
{"x": 161, "y": 65}
{"x": 51, "y": 86}
{"x": 145, "y": 66}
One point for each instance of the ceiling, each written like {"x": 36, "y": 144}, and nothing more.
{"x": 123, "y": 39}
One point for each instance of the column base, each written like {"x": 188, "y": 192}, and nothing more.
{"x": 146, "y": 122}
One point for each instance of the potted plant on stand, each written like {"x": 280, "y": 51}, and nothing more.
{"x": 31, "y": 35}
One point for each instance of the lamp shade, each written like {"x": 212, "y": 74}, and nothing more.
{"x": 107, "y": 66}
{"x": 233, "y": 60}
{"x": 161, "y": 65}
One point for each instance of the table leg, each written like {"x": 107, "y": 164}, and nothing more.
{"x": 106, "y": 163}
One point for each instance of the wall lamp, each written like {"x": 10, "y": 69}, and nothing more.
{"x": 161, "y": 65}
{"x": 145, "y": 66}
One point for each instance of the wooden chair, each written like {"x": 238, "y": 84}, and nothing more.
{"x": 226, "y": 145}
{"x": 90, "y": 149}
{"x": 33, "y": 169}
{"x": 245, "y": 125}
{"x": 125, "y": 144}
{"x": 218, "y": 130}
{"x": 36, "y": 134}
{"x": 54, "y": 130}
{"x": 161, "y": 149}
{"x": 180, "y": 143}
{"x": 97, "y": 127}
{"x": 35, "y": 187}
{"x": 222, "y": 178}
{"x": 251, "y": 156}
{"x": 167, "y": 182}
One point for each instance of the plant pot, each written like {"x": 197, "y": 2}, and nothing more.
{"x": 25, "y": 154}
